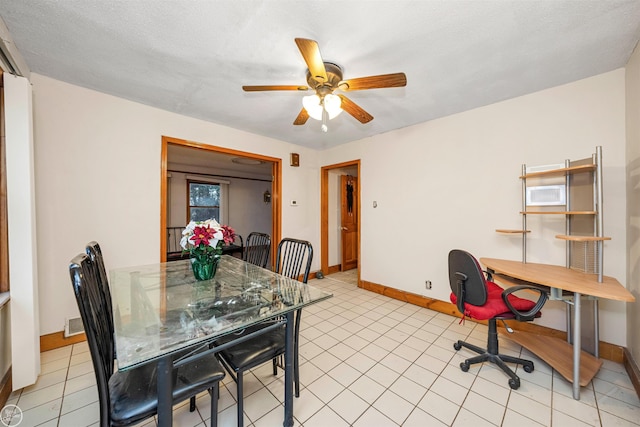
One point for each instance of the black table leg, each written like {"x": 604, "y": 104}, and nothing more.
{"x": 165, "y": 392}
{"x": 288, "y": 371}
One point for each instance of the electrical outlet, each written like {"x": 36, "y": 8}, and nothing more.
{"x": 427, "y": 284}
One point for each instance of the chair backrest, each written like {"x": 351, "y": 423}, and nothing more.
{"x": 95, "y": 317}
{"x": 95, "y": 253}
{"x": 174, "y": 235}
{"x": 257, "y": 249}
{"x": 293, "y": 255}
{"x": 235, "y": 247}
{"x": 466, "y": 279}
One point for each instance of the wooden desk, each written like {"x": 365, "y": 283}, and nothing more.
{"x": 568, "y": 280}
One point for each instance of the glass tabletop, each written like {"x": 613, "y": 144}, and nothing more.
{"x": 161, "y": 308}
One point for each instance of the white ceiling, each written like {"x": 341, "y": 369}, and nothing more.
{"x": 193, "y": 56}
{"x": 190, "y": 159}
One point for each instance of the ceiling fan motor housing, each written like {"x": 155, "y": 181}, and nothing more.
{"x": 334, "y": 77}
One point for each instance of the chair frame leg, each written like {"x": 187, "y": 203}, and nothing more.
{"x": 491, "y": 354}
{"x": 240, "y": 398}
{"x": 215, "y": 395}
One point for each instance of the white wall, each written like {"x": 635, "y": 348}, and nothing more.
{"x": 633, "y": 200}
{"x": 97, "y": 162}
{"x": 247, "y": 210}
{"x": 451, "y": 182}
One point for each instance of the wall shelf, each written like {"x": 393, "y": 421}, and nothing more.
{"x": 560, "y": 172}
{"x": 559, "y": 213}
{"x": 582, "y": 238}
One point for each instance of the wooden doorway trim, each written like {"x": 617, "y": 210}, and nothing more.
{"x": 324, "y": 213}
{"x": 276, "y": 188}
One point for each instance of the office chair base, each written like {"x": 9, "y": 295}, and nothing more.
{"x": 498, "y": 359}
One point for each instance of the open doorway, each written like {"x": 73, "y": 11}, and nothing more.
{"x": 232, "y": 168}
{"x": 340, "y": 217}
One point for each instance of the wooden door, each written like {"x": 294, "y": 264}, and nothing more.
{"x": 349, "y": 221}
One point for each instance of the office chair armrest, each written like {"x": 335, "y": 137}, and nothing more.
{"x": 529, "y": 315}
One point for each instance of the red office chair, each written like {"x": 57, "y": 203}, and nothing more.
{"x": 481, "y": 299}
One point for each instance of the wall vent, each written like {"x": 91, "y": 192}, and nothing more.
{"x": 73, "y": 327}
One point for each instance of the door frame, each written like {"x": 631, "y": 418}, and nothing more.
{"x": 324, "y": 213}
{"x": 276, "y": 188}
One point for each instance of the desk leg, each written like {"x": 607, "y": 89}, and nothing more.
{"x": 577, "y": 345}
{"x": 165, "y": 392}
{"x": 596, "y": 329}
{"x": 567, "y": 305}
{"x": 288, "y": 371}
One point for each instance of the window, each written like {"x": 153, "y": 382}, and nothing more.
{"x": 204, "y": 201}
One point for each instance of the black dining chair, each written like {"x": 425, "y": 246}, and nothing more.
{"x": 95, "y": 253}
{"x": 257, "y": 249}
{"x": 479, "y": 298}
{"x": 293, "y": 260}
{"x": 129, "y": 396}
{"x": 235, "y": 248}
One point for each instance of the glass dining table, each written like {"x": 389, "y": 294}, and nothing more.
{"x": 160, "y": 311}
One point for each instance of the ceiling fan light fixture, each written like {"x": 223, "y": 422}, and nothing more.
{"x": 247, "y": 161}
{"x": 312, "y": 104}
{"x": 332, "y": 105}
{"x": 315, "y": 106}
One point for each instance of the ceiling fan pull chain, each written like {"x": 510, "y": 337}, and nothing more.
{"x": 324, "y": 119}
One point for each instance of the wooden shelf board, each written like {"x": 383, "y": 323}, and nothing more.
{"x": 558, "y": 213}
{"x": 512, "y": 231}
{"x": 582, "y": 238}
{"x": 557, "y": 353}
{"x": 563, "y": 171}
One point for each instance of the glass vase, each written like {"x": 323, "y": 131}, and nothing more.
{"x": 204, "y": 266}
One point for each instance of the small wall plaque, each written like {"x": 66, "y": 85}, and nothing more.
{"x": 295, "y": 159}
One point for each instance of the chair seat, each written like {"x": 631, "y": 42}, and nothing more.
{"x": 495, "y": 306}
{"x": 255, "y": 351}
{"x": 134, "y": 395}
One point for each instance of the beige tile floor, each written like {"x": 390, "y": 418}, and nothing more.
{"x": 366, "y": 361}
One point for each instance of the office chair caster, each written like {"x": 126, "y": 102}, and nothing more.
{"x": 464, "y": 366}
{"x": 528, "y": 367}
{"x": 514, "y": 383}
{"x": 457, "y": 345}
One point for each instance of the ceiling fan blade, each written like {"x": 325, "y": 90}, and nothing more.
{"x": 302, "y": 117}
{"x": 311, "y": 54}
{"x": 273, "y": 87}
{"x": 374, "y": 82}
{"x": 355, "y": 110}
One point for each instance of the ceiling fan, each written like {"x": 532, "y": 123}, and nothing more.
{"x": 325, "y": 78}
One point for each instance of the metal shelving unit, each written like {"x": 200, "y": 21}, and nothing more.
{"x": 581, "y": 204}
